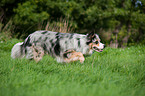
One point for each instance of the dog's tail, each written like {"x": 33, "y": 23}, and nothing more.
{"x": 18, "y": 51}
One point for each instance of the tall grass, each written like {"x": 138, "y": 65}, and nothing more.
{"x": 62, "y": 25}
{"x": 6, "y": 30}
{"x": 114, "y": 72}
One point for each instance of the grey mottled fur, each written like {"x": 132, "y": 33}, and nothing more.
{"x": 55, "y": 44}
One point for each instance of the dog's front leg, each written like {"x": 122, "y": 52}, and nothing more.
{"x": 71, "y": 56}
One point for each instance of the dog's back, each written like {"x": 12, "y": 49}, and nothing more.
{"x": 56, "y": 43}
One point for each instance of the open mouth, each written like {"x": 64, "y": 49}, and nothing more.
{"x": 96, "y": 49}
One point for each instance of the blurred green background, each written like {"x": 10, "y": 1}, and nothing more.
{"x": 119, "y": 23}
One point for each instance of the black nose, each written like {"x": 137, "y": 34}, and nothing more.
{"x": 104, "y": 45}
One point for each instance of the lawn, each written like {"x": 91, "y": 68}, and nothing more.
{"x": 113, "y": 72}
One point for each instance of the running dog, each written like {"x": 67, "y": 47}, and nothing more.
{"x": 65, "y": 47}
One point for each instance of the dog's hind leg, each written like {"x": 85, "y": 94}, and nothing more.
{"x": 38, "y": 52}
{"x": 71, "y": 55}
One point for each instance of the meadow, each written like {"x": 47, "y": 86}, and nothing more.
{"x": 113, "y": 72}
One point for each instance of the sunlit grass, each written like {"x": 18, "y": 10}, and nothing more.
{"x": 114, "y": 72}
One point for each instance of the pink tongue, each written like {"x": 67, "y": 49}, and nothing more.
{"x": 99, "y": 50}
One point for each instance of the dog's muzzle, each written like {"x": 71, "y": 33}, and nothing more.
{"x": 98, "y": 47}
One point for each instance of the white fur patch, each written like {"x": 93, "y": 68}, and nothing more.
{"x": 16, "y": 51}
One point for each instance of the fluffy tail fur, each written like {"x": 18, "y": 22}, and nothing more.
{"x": 17, "y": 51}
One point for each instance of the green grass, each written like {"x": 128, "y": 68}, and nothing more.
{"x": 114, "y": 72}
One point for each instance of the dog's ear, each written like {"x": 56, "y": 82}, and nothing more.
{"x": 91, "y": 36}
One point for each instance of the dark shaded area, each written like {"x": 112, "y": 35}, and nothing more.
{"x": 119, "y": 23}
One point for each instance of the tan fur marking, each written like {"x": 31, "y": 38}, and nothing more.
{"x": 91, "y": 44}
{"x": 98, "y": 44}
{"x": 75, "y": 56}
{"x": 38, "y": 53}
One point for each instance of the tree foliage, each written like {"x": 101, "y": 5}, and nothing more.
{"x": 123, "y": 19}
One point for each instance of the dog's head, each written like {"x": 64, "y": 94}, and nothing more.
{"x": 94, "y": 42}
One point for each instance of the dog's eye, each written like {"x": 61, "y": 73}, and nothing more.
{"x": 97, "y": 42}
